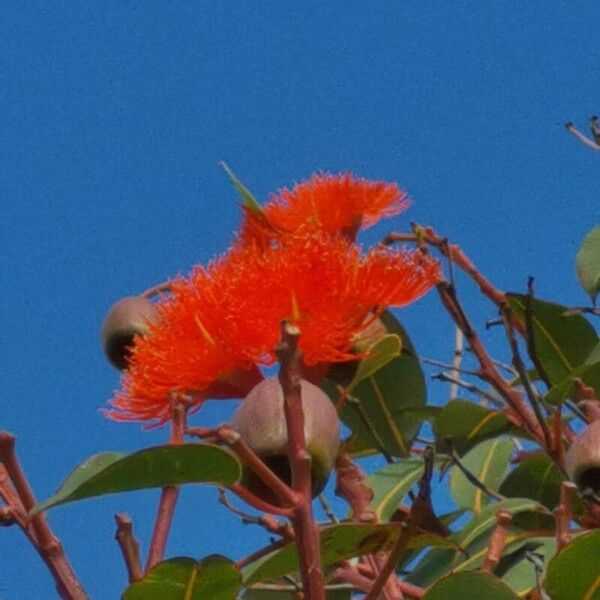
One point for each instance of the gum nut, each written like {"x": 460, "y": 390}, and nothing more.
{"x": 260, "y": 420}
{"x": 126, "y": 319}
{"x": 583, "y": 458}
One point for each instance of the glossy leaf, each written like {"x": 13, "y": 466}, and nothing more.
{"x": 486, "y": 519}
{"x": 561, "y": 342}
{"x": 338, "y": 542}
{"x": 114, "y": 472}
{"x": 517, "y": 571}
{"x": 379, "y": 354}
{"x": 183, "y": 578}
{"x": 587, "y": 263}
{"x": 488, "y": 462}
{"x": 589, "y": 374}
{"x": 385, "y": 399}
{"x": 391, "y": 483}
{"x": 470, "y": 584}
{"x": 463, "y": 425}
{"x": 574, "y": 572}
{"x": 538, "y": 478}
{"x": 248, "y": 200}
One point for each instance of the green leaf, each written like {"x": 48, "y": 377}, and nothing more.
{"x": 338, "y": 542}
{"x": 518, "y": 572}
{"x": 248, "y": 200}
{"x": 379, "y": 354}
{"x": 391, "y": 483}
{"x": 183, "y": 578}
{"x": 113, "y": 472}
{"x": 561, "y": 342}
{"x": 486, "y": 519}
{"x": 589, "y": 374}
{"x": 537, "y": 478}
{"x": 384, "y": 397}
{"x": 573, "y": 573}
{"x": 489, "y": 462}
{"x": 470, "y": 584}
{"x": 594, "y": 355}
{"x": 587, "y": 263}
{"x": 463, "y": 425}
{"x": 264, "y": 591}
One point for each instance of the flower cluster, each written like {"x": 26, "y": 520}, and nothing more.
{"x": 223, "y": 320}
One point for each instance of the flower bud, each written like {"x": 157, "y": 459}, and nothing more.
{"x": 126, "y": 319}
{"x": 583, "y": 459}
{"x": 260, "y": 420}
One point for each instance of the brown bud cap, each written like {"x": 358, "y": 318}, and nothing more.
{"x": 126, "y": 319}
{"x": 260, "y": 420}
{"x": 583, "y": 459}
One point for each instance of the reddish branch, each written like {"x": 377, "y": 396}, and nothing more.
{"x": 497, "y": 541}
{"x": 564, "y": 513}
{"x": 20, "y": 500}
{"x": 350, "y": 486}
{"x": 305, "y": 528}
{"x": 169, "y": 494}
{"x": 130, "y": 547}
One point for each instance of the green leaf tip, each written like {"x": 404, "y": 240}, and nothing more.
{"x": 249, "y": 202}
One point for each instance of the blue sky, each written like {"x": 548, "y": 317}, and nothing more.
{"x": 114, "y": 117}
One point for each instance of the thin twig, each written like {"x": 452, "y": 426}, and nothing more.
{"x": 130, "y": 547}
{"x": 40, "y": 535}
{"x": 471, "y": 387}
{"x": 582, "y": 138}
{"x": 305, "y": 528}
{"x": 473, "y": 478}
{"x": 459, "y": 342}
{"x": 564, "y": 513}
{"x": 497, "y": 541}
{"x": 445, "y": 365}
{"x": 327, "y": 509}
{"x": 169, "y": 494}
{"x": 534, "y": 398}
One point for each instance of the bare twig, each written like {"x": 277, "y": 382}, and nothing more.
{"x": 564, "y": 513}
{"x": 327, "y": 509}
{"x": 37, "y": 529}
{"x": 130, "y": 547}
{"x": 459, "y": 342}
{"x": 305, "y": 528}
{"x": 534, "y": 398}
{"x": 471, "y": 387}
{"x": 350, "y": 486}
{"x": 497, "y": 541}
{"x": 169, "y": 494}
{"x": 472, "y": 478}
{"x": 582, "y": 138}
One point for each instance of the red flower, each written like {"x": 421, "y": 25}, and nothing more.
{"x": 226, "y": 318}
{"x": 333, "y": 203}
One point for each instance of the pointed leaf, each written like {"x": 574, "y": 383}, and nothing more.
{"x": 573, "y": 573}
{"x": 470, "y": 584}
{"x": 587, "y": 263}
{"x": 113, "y": 472}
{"x": 488, "y": 462}
{"x": 465, "y": 424}
{"x": 486, "y": 519}
{"x": 379, "y": 354}
{"x": 183, "y": 578}
{"x": 248, "y": 200}
{"x": 561, "y": 342}
{"x": 589, "y": 374}
{"x": 383, "y": 397}
{"x": 391, "y": 483}
{"x": 594, "y": 355}
{"x": 338, "y": 542}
